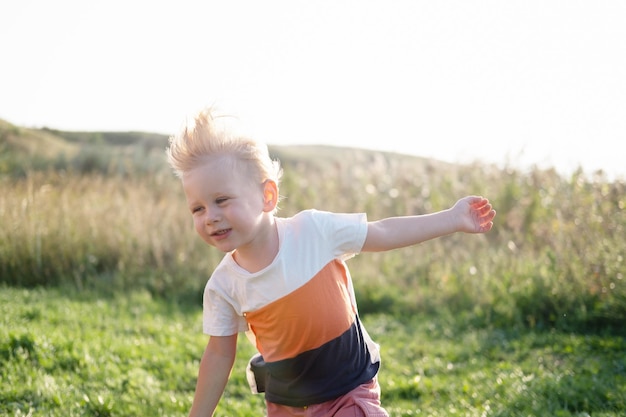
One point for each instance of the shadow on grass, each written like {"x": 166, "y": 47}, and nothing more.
{"x": 432, "y": 365}
{"x": 556, "y": 373}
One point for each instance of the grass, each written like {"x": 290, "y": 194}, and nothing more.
{"x": 554, "y": 258}
{"x": 69, "y": 354}
{"x": 82, "y": 355}
{"x": 433, "y": 368}
{"x": 101, "y": 276}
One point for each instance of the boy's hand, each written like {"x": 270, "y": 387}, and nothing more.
{"x": 475, "y": 214}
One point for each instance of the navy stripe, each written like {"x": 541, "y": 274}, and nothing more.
{"x": 321, "y": 374}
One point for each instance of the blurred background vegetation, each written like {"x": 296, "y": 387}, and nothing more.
{"x": 102, "y": 211}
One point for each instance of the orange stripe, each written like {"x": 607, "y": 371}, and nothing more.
{"x": 305, "y": 319}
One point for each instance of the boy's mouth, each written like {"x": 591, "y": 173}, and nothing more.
{"x": 220, "y": 233}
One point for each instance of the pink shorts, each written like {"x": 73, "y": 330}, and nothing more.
{"x": 363, "y": 401}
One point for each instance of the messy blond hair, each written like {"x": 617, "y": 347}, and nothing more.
{"x": 204, "y": 138}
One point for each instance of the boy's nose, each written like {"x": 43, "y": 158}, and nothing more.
{"x": 212, "y": 216}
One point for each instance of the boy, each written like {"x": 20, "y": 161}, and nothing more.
{"x": 284, "y": 281}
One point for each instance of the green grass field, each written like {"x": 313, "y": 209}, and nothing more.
{"x": 101, "y": 277}
{"x": 67, "y": 354}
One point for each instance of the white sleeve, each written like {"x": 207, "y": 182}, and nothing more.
{"x": 346, "y": 232}
{"x": 219, "y": 317}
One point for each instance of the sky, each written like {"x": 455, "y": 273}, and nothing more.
{"x": 516, "y": 83}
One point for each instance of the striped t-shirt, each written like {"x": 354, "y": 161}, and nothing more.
{"x": 300, "y": 311}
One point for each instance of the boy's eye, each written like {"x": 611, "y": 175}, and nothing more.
{"x": 196, "y": 210}
{"x": 220, "y": 200}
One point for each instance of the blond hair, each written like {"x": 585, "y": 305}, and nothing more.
{"x": 204, "y": 138}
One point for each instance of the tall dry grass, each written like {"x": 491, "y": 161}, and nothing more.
{"x": 98, "y": 231}
{"x": 554, "y": 258}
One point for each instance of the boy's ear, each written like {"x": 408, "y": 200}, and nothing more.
{"x": 270, "y": 195}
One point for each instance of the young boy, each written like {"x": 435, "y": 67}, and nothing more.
{"x": 284, "y": 281}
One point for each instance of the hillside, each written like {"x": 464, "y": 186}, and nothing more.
{"x": 24, "y": 142}
{"x": 51, "y": 143}
{"x": 23, "y": 149}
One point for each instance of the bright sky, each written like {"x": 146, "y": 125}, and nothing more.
{"x": 522, "y": 82}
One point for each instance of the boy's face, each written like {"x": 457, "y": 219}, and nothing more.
{"x": 228, "y": 208}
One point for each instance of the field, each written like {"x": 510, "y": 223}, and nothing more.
{"x": 101, "y": 277}
{"x": 83, "y": 355}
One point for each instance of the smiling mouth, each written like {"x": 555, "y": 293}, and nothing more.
{"x": 220, "y": 232}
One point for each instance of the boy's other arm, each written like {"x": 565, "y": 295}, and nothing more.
{"x": 472, "y": 214}
{"x": 215, "y": 367}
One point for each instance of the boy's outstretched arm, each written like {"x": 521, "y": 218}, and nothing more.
{"x": 215, "y": 367}
{"x": 472, "y": 214}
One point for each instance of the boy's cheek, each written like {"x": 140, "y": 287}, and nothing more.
{"x": 199, "y": 228}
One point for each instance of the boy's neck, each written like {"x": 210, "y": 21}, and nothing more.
{"x": 261, "y": 253}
